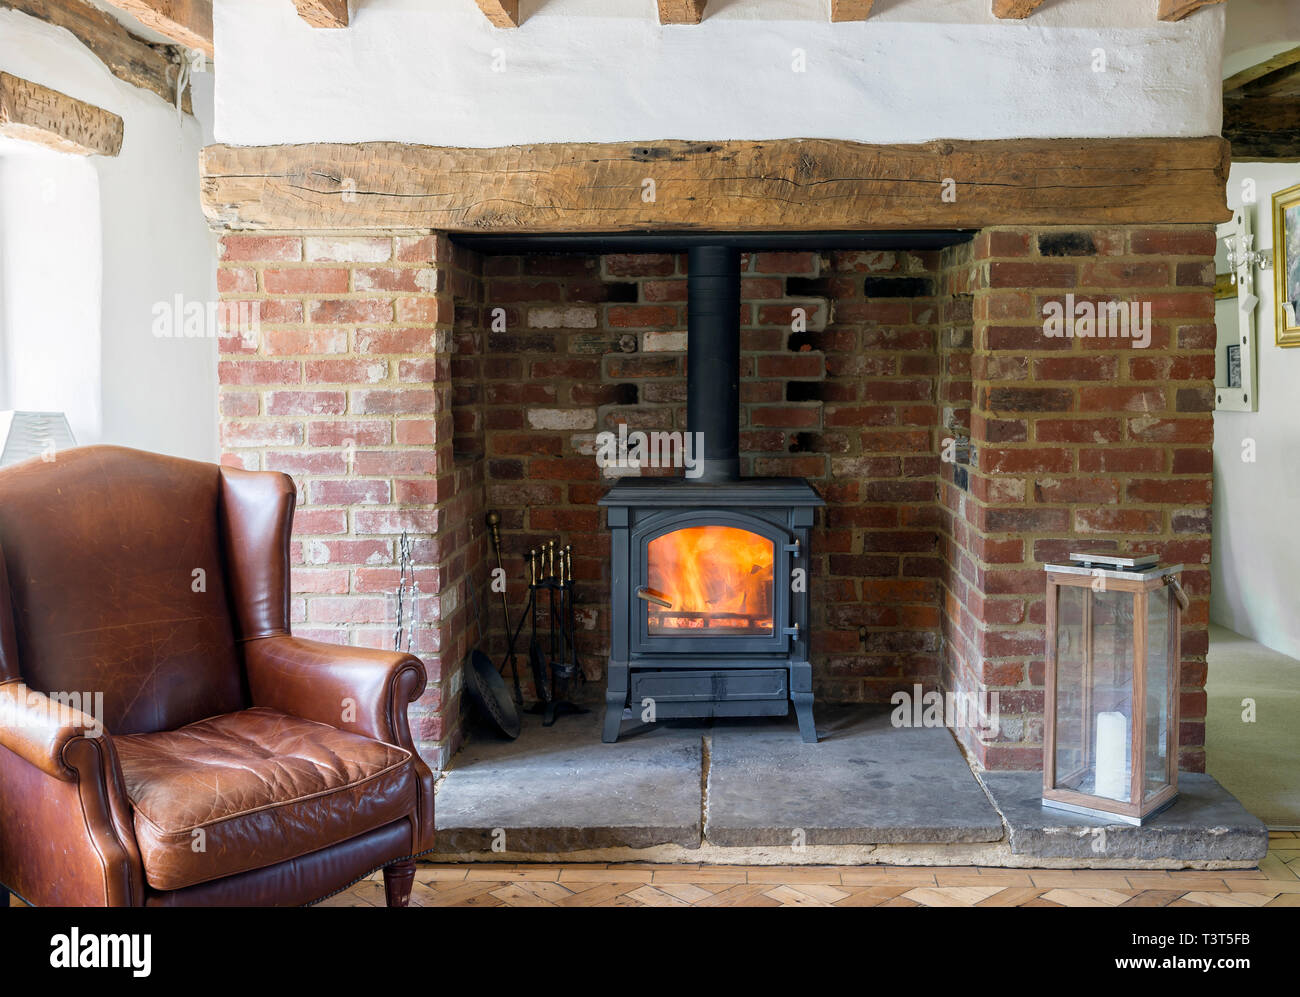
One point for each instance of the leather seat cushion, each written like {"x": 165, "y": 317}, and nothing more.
{"x": 249, "y": 789}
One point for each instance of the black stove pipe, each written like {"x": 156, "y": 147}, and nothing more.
{"x": 713, "y": 358}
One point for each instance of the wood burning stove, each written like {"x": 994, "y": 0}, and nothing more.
{"x": 709, "y": 602}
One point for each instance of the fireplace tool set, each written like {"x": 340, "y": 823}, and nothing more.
{"x": 552, "y": 648}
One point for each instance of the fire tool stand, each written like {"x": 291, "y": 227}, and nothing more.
{"x": 553, "y": 653}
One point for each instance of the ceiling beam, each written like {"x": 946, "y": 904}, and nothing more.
{"x": 323, "y": 13}
{"x": 1283, "y": 60}
{"x": 130, "y": 59}
{"x": 851, "y": 10}
{"x": 502, "y": 13}
{"x": 1262, "y": 129}
{"x": 186, "y": 22}
{"x": 736, "y": 186}
{"x": 33, "y": 113}
{"x": 681, "y": 11}
{"x": 1016, "y": 10}
{"x": 1176, "y": 10}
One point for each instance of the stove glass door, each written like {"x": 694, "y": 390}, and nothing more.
{"x": 709, "y": 581}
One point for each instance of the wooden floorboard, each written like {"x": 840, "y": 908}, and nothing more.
{"x": 1276, "y": 883}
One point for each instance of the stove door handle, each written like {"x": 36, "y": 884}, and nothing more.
{"x": 651, "y": 595}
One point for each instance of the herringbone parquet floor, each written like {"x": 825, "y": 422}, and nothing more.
{"x": 1276, "y": 883}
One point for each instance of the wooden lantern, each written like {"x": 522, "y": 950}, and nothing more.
{"x": 1110, "y": 743}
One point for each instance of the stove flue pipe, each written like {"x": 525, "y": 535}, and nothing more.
{"x": 713, "y": 358}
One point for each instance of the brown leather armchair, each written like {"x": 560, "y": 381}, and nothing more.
{"x": 163, "y": 738}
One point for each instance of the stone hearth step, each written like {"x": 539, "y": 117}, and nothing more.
{"x": 559, "y": 789}
{"x": 865, "y": 782}
{"x": 1205, "y": 824}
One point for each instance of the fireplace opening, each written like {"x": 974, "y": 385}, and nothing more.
{"x": 791, "y": 372}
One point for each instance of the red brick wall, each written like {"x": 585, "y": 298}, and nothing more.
{"x": 407, "y": 384}
{"x": 1078, "y": 443}
{"x": 347, "y": 387}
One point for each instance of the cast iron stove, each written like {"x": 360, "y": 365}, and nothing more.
{"x": 709, "y": 602}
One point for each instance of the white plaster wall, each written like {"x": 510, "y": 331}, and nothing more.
{"x": 1255, "y": 568}
{"x": 79, "y": 275}
{"x": 604, "y": 70}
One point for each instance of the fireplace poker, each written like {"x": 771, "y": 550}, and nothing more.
{"x": 494, "y": 528}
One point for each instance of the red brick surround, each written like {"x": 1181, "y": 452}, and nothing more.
{"x": 386, "y": 382}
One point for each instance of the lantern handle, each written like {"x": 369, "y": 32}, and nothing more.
{"x": 1173, "y": 582}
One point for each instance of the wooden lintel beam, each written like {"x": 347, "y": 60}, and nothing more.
{"x": 186, "y": 22}
{"x": 1263, "y": 129}
{"x": 323, "y": 13}
{"x": 786, "y": 185}
{"x": 851, "y": 10}
{"x": 33, "y": 113}
{"x": 1283, "y": 60}
{"x": 1176, "y": 10}
{"x": 502, "y": 13}
{"x": 681, "y": 11}
{"x": 1016, "y": 10}
{"x": 130, "y": 59}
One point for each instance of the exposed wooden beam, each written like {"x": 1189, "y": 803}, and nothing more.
{"x": 323, "y": 13}
{"x": 186, "y": 22}
{"x": 1016, "y": 10}
{"x": 33, "y": 113}
{"x": 127, "y": 57}
{"x": 1268, "y": 67}
{"x": 1263, "y": 129}
{"x": 1176, "y": 10}
{"x": 502, "y": 13}
{"x": 681, "y": 11}
{"x": 786, "y": 185}
{"x": 851, "y": 10}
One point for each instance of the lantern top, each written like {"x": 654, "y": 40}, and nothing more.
{"x": 1141, "y": 567}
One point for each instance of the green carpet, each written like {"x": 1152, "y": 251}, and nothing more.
{"x": 1259, "y": 763}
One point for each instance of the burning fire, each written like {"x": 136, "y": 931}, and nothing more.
{"x": 715, "y": 578}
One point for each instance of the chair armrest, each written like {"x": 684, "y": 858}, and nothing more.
{"x": 358, "y": 689}
{"x": 39, "y": 729}
{"x": 67, "y": 837}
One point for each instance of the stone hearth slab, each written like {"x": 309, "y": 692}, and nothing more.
{"x": 1205, "y": 824}
{"x": 864, "y": 782}
{"x": 559, "y": 789}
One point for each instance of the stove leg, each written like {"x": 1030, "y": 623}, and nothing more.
{"x": 615, "y": 701}
{"x": 802, "y": 697}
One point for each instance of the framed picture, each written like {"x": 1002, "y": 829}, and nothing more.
{"x": 1234, "y": 366}
{"x": 1286, "y": 264}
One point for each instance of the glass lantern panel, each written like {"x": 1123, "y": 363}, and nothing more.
{"x": 1071, "y": 727}
{"x": 1112, "y": 694}
{"x": 1159, "y": 678}
{"x": 1095, "y": 692}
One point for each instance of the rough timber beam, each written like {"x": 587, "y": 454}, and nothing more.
{"x": 33, "y": 113}
{"x": 1016, "y": 10}
{"x": 681, "y": 11}
{"x": 785, "y": 185}
{"x": 323, "y": 13}
{"x": 502, "y": 13}
{"x": 130, "y": 59}
{"x": 1176, "y": 10}
{"x": 186, "y": 22}
{"x": 851, "y": 10}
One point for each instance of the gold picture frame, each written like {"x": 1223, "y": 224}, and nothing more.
{"x": 1286, "y": 265}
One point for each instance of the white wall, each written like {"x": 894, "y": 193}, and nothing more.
{"x": 604, "y": 70}
{"x": 80, "y": 272}
{"x": 1256, "y": 557}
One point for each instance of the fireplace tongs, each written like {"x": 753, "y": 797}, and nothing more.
{"x": 653, "y": 595}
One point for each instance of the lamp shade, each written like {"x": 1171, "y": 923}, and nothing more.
{"x": 33, "y": 434}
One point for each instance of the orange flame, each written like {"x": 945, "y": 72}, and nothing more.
{"x": 717, "y": 579}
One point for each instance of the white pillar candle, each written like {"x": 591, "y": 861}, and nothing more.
{"x": 1111, "y": 749}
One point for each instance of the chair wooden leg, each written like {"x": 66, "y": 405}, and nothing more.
{"x": 398, "y": 880}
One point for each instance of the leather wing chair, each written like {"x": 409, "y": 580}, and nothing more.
{"x": 164, "y": 739}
